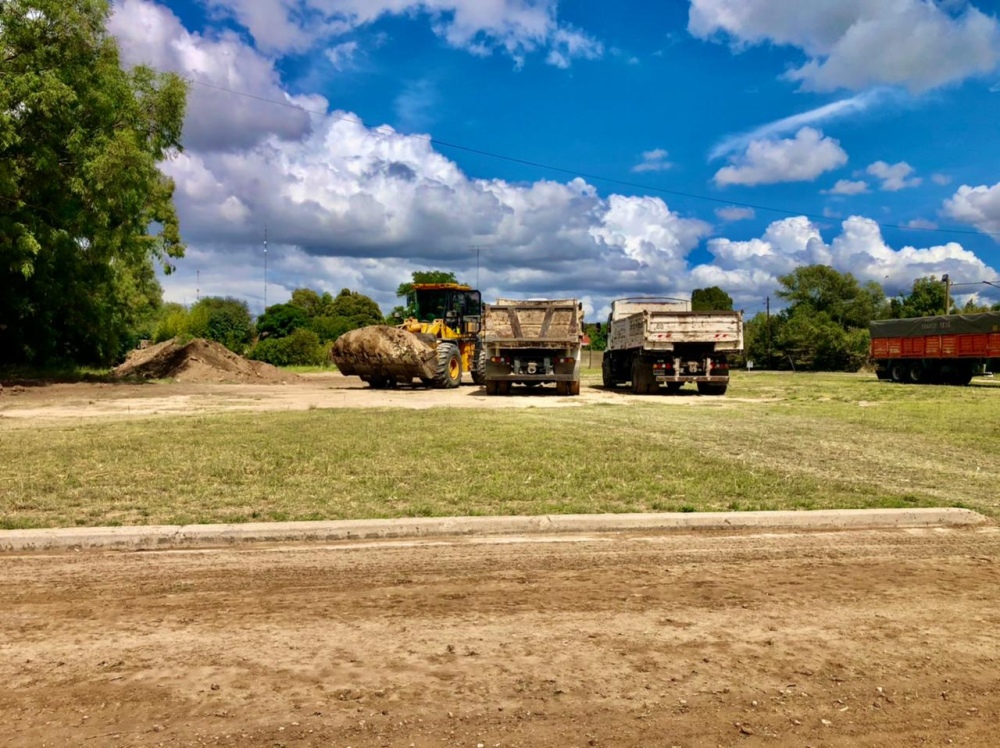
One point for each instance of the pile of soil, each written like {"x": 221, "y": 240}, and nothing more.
{"x": 199, "y": 360}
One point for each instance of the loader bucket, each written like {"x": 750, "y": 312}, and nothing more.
{"x": 380, "y": 352}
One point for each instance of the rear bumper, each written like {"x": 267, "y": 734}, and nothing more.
{"x": 714, "y": 378}
{"x": 542, "y": 378}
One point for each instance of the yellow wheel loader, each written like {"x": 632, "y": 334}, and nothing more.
{"x": 436, "y": 345}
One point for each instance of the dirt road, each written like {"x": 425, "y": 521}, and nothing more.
{"x": 830, "y": 639}
{"x": 24, "y": 406}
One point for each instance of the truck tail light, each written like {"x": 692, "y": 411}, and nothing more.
{"x": 569, "y": 360}
{"x": 499, "y": 360}
{"x": 662, "y": 365}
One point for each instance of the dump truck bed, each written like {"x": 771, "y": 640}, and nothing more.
{"x": 664, "y": 330}
{"x": 552, "y": 323}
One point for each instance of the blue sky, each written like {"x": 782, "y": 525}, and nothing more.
{"x": 862, "y": 132}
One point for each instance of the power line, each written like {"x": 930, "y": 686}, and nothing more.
{"x": 577, "y": 173}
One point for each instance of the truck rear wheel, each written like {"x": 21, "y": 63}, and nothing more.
{"x": 574, "y": 388}
{"x": 449, "y": 366}
{"x": 479, "y": 365}
{"x": 607, "y": 372}
{"x": 643, "y": 381}
{"x": 897, "y": 372}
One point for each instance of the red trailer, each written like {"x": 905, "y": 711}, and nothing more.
{"x": 947, "y": 349}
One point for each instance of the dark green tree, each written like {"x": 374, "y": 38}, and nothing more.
{"x": 598, "y": 335}
{"x": 926, "y": 299}
{"x": 711, "y": 299}
{"x": 224, "y": 320}
{"x": 280, "y": 320}
{"x": 405, "y": 290}
{"x": 825, "y": 326}
{"x": 84, "y": 210}
{"x": 311, "y": 302}
{"x": 300, "y": 348}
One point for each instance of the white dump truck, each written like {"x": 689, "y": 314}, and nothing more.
{"x": 532, "y": 342}
{"x": 660, "y": 341}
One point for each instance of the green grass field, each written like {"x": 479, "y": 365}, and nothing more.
{"x": 777, "y": 441}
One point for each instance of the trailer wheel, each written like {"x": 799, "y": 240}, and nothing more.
{"x": 916, "y": 373}
{"x": 574, "y": 388}
{"x": 898, "y": 372}
{"x": 449, "y": 366}
{"x": 503, "y": 388}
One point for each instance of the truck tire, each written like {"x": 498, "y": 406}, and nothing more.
{"x": 574, "y": 388}
{"x": 643, "y": 382}
{"x": 916, "y": 374}
{"x": 607, "y": 372}
{"x": 479, "y": 366}
{"x": 897, "y": 372}
{"x": 492, "y": 388}
{"x": 449, "y": 366}
{"x": 712, "y": 389}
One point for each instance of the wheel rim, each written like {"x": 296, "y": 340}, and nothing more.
{"x": 454, "y": 368}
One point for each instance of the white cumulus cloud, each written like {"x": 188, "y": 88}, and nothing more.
{"x": 848, "y": 187}
{"x": 857, "y": 44}
{"x": 654, "y": 160}
{"x": 894, "y": 177}
{"x": 798, "y": 159}
{"x": 977, "y": 206}
{"x": 515, "y": 27}
{"x": 734, "y": 213}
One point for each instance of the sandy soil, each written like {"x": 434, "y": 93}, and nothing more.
{"x": 123, "y": 400}
{"x": 832, "y": 639}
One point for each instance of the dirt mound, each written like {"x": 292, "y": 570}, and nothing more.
{"x": 382, "y": 351}
{"x": 199, "y": 360}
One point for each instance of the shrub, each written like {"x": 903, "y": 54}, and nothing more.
{"x": 301, "y": 348}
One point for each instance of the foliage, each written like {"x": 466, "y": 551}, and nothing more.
{"x": 926, "y": 299}
{"x": 311, "y": 302}
{"x": 759, "y": 345}
{"x": 405, "y": 291}
{"x": 280, "y": 320}
{"x": 301, "y": 348}
{"x": 80, "y": 140}
{"x": 711, "y": 299}
{"x": 598, "y": 335}
{"x": 329, "y": 317}
{"x": 825, "y": 326}
{"x": 224, "y": 320}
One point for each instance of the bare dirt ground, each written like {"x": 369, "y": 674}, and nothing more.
{"x": 333, "y": 390}
{"x": 827, "y": 639}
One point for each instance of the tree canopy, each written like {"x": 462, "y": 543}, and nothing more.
{"x": 711, "y": 299}
{"x": 926, "y": 299}
{"x": 824, "y": 326}
{"x": 84, "y": 211}
{"x": 405, "y": 291}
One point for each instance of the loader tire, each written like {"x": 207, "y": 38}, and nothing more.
{"x": 479, "y": 367}
{"x": 449, "y": 366}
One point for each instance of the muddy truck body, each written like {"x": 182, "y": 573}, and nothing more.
{"x": 532, "y": 343}
{"x": 945, "y": 349}
{"x": 659, "y": 342}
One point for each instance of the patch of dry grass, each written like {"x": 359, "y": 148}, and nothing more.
{"x": 778, "y": 441}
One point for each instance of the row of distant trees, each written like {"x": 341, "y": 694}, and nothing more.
{"x": 823, "y": 322}
{"x": 297, "y": 332}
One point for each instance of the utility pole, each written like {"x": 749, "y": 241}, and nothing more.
{"x": 768, "y": 303}
{"x": 197, "y": 286}
{"x": 947, "y": 293}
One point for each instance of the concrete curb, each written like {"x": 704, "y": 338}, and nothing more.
{"x": 174, "y": 536}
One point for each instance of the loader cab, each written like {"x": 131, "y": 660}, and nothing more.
{"x": 458, "y": 305}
